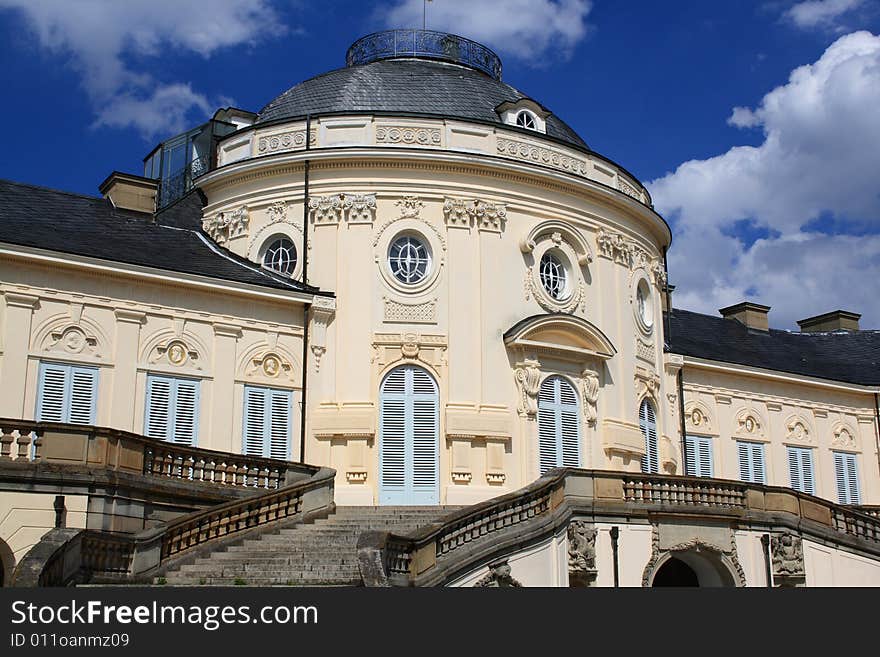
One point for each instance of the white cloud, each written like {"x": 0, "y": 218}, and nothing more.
{"x": 820, "y": 13}
{"x": 102, "y": 37}
{"x": 523, "y": 28}
{"x": 818, "y": 162}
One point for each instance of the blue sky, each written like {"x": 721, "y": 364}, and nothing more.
{"x": 755, "y": 124}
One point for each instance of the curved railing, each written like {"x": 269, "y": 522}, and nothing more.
{"x": 66, "y": 556}
{"x": 78, "y": 444}
{"x": 424, "y": 43}
{"x": 456, "y": 544}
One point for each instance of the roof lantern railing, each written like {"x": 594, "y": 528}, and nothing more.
{"x": 426, "y": 44}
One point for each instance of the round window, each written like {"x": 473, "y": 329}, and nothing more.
{"x": 409, "y": 259}
{"x": 553, "y": 276}
{"x": 280, "y": 256}
{"x": 645, "y": 304}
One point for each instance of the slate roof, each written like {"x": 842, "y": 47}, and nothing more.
{"x": 90, "y": 226}
{"x": 846, "y": 356}
{"x": 406, "y": 86}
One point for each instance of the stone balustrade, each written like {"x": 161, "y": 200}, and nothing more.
{"x": 437, "y": 554}
{"x": 76, "y": 444}
{"x": 66, "y": 556}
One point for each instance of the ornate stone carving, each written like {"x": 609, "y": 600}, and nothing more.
{"x": 270, "y": 364}
{"x": 361, "y": 208}
{"x": 326, "y": 209}
{"x": 495, "y": 478}
{"x": 416, "y": 313}
{"x": 647, "y": 383}
{"x": 73, "y": 340}
{"x": 408, "y": 135}
{"x": 624, "y": 251}
{"x": 410, "y": 347}
{"x": 410, "y": 207}
{"x": 176, "y": 352}
{"x": 498, "y": 577}
{"x": 287, "y": 141}
{"x": 581, "y": 553}
{"x": 546, "y": 156}
{"x": 645, "y": 350}
{"x": 475, "y": 212}
{"x": 532, "y": 288}
{"x": 528, "y": 382}
{"x": 787, "y": 557}
{"x": 727, "y": 554}
{"x": 322, "y": 312}
{"x": 590, "y": 393}
{"x": 628, "y": 189}
{"x": 225, "y": 226}
{"x": 843, "y": 437}
{"x": 797, "y": 431}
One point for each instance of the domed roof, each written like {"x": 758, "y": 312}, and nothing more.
{"x": 407, "y": 82}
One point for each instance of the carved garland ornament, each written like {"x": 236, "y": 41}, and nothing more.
{"x": 528, "y": 382}
{"x": 475, "y": 212}
{"x": 729, "y": 553}
{"x": 408, "y": 135}
{"x": 533, "y": 288}
{"x": 356, "y": 208}
{"x": 590, "y": 393}
{"x": 624, "y": 251}
{"x": 225, "y": 226}
{"x": 285, "y": 142}
{"x": 499, "y": 577}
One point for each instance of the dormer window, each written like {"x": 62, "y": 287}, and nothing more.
{"x": 526, "y": 120}
{"x": 525, "y": 114}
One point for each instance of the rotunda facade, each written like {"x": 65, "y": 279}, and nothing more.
{"x": 498, "y": 285}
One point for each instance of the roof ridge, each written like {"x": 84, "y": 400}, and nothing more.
{"x": 52, "y": 189}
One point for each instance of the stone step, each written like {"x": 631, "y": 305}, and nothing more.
{"x": 267, "y": 569}
{"x": 288, "y": 580}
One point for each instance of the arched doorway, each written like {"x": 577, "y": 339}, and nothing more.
{"x": 676, "y": 572}
{"x": 409, "y": 436}
{"x": 692, "y": 567}
{"x": 7, "y": 563}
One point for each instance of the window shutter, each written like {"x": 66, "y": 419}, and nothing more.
{"x": 847, "y": 475}
{"x": 794, "y": 469}
{"x": 186, "y": 412}
{"x": 83, "y": 389}
{"x": 758, "y": 469}
{"x": 546, "y": 427}
{"x": 393, "y": 441}
{"x": 704, "y": 450}
{"x": 690, "y": 453}
{"x": 570, "y": 427}
{"x": 52, "y": 393}
{"x": 172, "y": 409}
{"x": 800, "y": 469}
{"x": 648, "y": 425}
{"x": 751, "y": 462}
{"x": 807, "y": 472}
{"x": 254, "y": 421}
{"x": 425, "y": 429}
{"x": 279, "y": 425}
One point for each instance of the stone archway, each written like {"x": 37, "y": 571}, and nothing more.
{"x": 7, "y": 563}
{"x": 695, "y": 567}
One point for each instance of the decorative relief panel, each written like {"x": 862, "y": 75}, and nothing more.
{"x": 528, "y": 382}
{"x": 410, "y": 208}
{"x": 698, "y": 419}
{"x": 499, "y": 576}
{"x": 225, "y": 226}
{"x": 626, "y": 252}
{"x": 392, "y": 347}
{"x": 797, "y": 430}
{"x": 333, "y": 209}
{"x": 73, "y": 340}
{"x": 176, "y": 352}
{"x": 322, "y": 311}
{"x": 393, "y": 134}
{"x": 466, "y": 213}
{"x": 532, "y": 288}
{"x": 787, "y": 552}
{"x": 589, "y": 383}
{"x": 645, "y": 350}
{"x": 628, "y": 189}
{"x": 277, "y": 212}
{"x": 750, "y": 424}
{"x": 285, "y": 141}
{"x": 547, "y": 156}
{"x": 71, "y": 334}
{"x": 581, "y": 553}
{"x": 416, "y": 313}
{"x": 647, "y": 384}
{"x": 844, "y": 438}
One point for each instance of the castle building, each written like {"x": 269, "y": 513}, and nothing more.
{"x": 410, "y": 272}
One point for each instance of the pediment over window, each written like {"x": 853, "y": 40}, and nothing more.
{"x": 559, "y": 333}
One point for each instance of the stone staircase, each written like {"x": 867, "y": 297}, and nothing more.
{"x": 323, "y": 553}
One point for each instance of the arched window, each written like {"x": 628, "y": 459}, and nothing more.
{"x": 409, "y": 438}
{"x": 280, "y": 256}
{"x": 648, "y": 425}
{"x": 559, "y": 430}
{"x": 526, "y": 120}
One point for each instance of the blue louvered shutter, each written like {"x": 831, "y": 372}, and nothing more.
{"x": 698, "y": 451}
{"x": 648, "y": 425}
{"x": 425, "y": 436}
{"x": 847, "y": 475}
{"x": 559, "y": 435}
{"x": 800, "y": 469}
{"x": 409, "y": 438}
{"x": 67, "y": 393}
{"x": 751, "y": 462}
{"x": 266, "y": 430}
{"x": 172, "y": 409}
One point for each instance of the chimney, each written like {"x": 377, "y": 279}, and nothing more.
{"x": 836, "y": 320}
{"x": 753, "y": 315}
{"x": 129, "y": 192}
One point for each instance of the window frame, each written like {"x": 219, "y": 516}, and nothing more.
{"x": 564, "y": 415}
{"x": 697, "y": 447}
{"x": 267, "y": 246}
{"x": 752, "y": 447}
{"x": 172, "y": 419}
{"x": 801, "y": 469}
{"x": 851, "y": 481}
{"x": 425, "y": 244}
{"x": 67, "y": 405}
{"x": 652, "y": 443}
